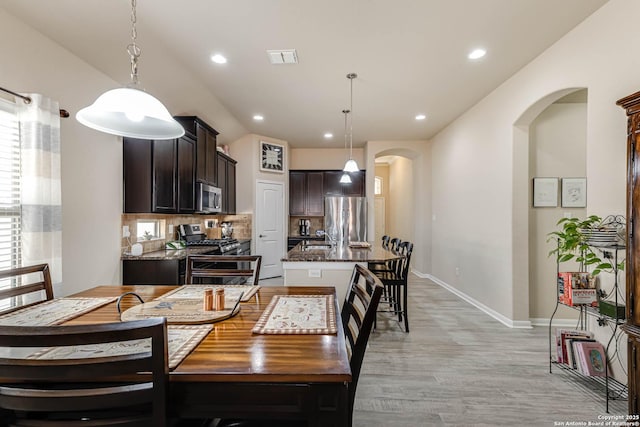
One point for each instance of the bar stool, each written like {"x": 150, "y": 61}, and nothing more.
{"x": 396, "y": 284}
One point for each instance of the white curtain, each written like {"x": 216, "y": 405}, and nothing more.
{"x": 40, "y": 185}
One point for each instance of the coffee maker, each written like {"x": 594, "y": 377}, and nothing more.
{"x": 304, "y": 227}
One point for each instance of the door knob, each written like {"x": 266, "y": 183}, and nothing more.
{"x": 262, "y": 235}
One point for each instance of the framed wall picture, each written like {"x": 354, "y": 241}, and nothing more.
{"x": 271, "y": 157}
{"x": 545, "y": 192}
{"x": 574, "y": 192}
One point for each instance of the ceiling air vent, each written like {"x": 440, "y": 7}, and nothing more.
{"x": 286, "y": 56}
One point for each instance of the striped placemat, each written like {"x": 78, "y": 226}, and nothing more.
{"x": 181, "y": 340}
{"x": 231, "y": 292}
{"x": 298, "y": 314}
{"x": 53, "y": 312}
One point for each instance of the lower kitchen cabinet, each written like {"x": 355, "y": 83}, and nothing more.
{"x": 153, "y": 272}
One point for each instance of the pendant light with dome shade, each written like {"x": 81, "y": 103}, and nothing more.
{"x": 351, "y": 165}
{"x": 130, "y": 111}
{"x": 345, "y": 178}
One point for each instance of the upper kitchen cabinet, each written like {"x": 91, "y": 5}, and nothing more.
{"x": 206, "y": 144}
{"x": 159, "y": 175}
{"x": 306, "y": 193}
{"x": 333, "y": 187}
{"x": 227, "y": 182}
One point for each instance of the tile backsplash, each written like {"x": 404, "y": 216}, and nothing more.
{"x": 242, "y": 225}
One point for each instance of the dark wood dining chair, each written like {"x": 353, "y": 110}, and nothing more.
{"x": 104, "y": 390}
{"x": 396, "y": 284}
{"x": 24, "y": 286}
{"x": 358, "y": 315}
{"x": 223, "y": 269}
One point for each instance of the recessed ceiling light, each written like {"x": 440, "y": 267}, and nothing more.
{"x": 477, "y": 54}
{"x": 328, "y": 135}
{"x": 258, "y": 118}
{"x": 219, "y": 59}
{"x": 421, "y": 117}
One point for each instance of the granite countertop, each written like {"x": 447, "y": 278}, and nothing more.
{"x": 316, "y": 252}
{"x": 167, "y": 254}
{"x": 172, "y": 254}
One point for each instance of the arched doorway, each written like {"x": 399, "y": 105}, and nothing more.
{"x": 407, "y": 193}
{"x": 549, "y": 141}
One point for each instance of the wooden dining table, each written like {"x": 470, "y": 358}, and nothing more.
{"x": 235, "y": 373}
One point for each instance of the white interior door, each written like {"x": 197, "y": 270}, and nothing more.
{"x": 269, "y": 220}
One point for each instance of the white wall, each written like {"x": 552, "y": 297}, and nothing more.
{"x": 473, "y": 158}
{"x": 400, "y": 216}
{"x": 324, "y": 158}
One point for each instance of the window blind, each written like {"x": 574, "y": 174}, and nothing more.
{"x": 10, "y": 242}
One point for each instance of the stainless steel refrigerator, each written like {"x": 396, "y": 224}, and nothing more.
{"x": 345, "y": 219}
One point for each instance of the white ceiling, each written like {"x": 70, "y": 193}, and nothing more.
{"x": 410, "y": 55}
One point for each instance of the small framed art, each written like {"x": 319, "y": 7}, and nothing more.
{"x": 271, "y": 157}
{"x": 545, "y": 192}
{"x": 574, "y": 192}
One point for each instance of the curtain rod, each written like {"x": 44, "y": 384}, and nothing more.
{"x": 27, "y": 100}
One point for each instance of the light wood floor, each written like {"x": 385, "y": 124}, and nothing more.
{"x": 460, "y": 367}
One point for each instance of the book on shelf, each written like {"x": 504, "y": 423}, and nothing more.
{"x": 572, "y": 354}
{"x": 577, "y": 288}
{"x": 591, "y": 358}
{"x": 561, "y": 336}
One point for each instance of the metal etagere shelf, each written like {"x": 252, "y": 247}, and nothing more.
{"x": 613, "y": 390}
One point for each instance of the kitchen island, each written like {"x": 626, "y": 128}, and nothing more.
{"x": 313, "y": 263}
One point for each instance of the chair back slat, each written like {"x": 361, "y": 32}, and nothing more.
{"x": 123, "y": 387}
{"x": 223, "y": 269}
{"x": 358, "y": 315}
{"x": 23, "y": 291}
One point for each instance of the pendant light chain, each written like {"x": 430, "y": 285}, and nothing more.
{"x": 133, "y": 49}
{"x": 351, "y": 77}
{"x": 346, "y": 113}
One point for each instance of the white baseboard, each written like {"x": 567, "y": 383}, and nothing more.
{"x": 515, "y": 324}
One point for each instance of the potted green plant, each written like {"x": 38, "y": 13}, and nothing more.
{"x": 575, "y": 241}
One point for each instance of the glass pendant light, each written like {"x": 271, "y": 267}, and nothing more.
{"x": 345, "y": 178}
{"x": 130, "y": 111}
{"x": 351, "y": 165}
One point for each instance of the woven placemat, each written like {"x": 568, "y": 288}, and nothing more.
{"x": 298, "y": 314}
{"x": 179, "y": 311}
{"x": 181, "y": 340}
{"x": 231, "y": 292}
{"x": 53, "y": 312}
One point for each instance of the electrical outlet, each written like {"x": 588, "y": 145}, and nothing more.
{"x": 125, "y": 231}
{"x": 315, "y": 273}
{"x": 171, "y": 230}
{"x": 457, "y": 271}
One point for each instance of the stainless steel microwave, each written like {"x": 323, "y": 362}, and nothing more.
{"x": 208, "y": 198}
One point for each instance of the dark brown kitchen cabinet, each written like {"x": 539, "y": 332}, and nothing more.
{"x": 333, "y": 187}
{"x": 632, "y": 326}
{"x": 306, "y": 193}
{"x": 227, "y": 182}
{"x": 159, "y": 175}
{"x": 153, "y": 272}
{"x": 206, "y": 148}
{"x": 297, "y": 188}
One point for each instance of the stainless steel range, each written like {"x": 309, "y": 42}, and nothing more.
{"x": 193, "y": 236}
